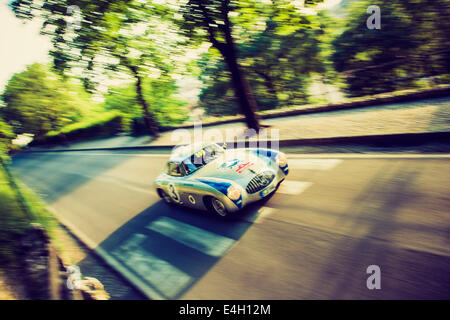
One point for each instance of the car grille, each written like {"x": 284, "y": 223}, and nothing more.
{"x": 260, "y": 182}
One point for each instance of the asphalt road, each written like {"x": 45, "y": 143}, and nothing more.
{"x": 314, "y": 239}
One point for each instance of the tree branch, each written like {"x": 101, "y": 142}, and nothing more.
{"x": 225, "y": 8}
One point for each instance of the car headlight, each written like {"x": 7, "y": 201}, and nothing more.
{"x": 282, "y": 160}
{"x": 233, "y": 193}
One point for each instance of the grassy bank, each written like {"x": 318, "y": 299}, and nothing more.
{"x": 19, "y": 207}
{"x": 13, "y": 221}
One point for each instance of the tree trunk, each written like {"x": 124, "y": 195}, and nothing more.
{"x": 242, "y": 91}
{"x": 150, "y": 122}
{"x": 228, "y": 50}
{"x": 241, "y": 86}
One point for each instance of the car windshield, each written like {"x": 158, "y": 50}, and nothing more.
{"x": 174, "y": 169}
{"x": 201, "y": 158}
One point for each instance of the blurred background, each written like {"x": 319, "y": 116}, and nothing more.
{"x": 139, "y": 67}
{"x": 119, "y": 73}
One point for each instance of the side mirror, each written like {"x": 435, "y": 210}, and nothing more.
{"x": 224, "y": 145}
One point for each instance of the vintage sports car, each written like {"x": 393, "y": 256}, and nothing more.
{"x": 211, "y": 177}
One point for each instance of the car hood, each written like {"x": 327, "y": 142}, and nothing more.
{"x": 237, "y": 166}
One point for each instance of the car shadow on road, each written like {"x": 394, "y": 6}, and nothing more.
{"x": 167, "y": 249}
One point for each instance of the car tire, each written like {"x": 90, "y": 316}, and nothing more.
{"x": 217, "y": 207}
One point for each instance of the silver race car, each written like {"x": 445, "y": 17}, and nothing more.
{"x": 211, "y": 177}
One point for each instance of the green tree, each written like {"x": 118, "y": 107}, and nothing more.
{"x": 413, "y": 42}
{"x": 125, "y": 35}
{"x": 169, "y": 111}
{"x": 38, "y": 100}
{"x": 6, "y": 135}
{"x": 278, "y": 66}
{"x": 223, "y": 23}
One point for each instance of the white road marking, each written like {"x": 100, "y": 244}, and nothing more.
{"x": 293, "y": 187}
{"x": 313, "y": 164}
{"x": 367, "y": 156}
{"x": 265, "y": 211}
{"x": 258, "y": 215}
{"x": 162, "y": 275}
{"x": 199, "y": 239}
{"x": 331, "y": 156}
{"x": 89, "y": 153}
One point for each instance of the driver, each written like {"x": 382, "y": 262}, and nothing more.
{"x": 198, "y": 158}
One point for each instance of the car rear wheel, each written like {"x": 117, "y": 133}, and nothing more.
{"x": 218, "y": 207}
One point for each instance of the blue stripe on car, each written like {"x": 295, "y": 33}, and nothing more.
{"x": 222, "y": 186}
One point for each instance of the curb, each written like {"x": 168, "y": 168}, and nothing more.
{"x": 110, "y": 261}
{"x": 379, "y": 99}
{"x": 383, "y": 140}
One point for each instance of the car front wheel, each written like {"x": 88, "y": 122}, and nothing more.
{"x": 218, "y": 207}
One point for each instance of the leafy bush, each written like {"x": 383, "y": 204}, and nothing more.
{"x": 104, "y": 125}
{"x": 167, "y": 109}
{"x": 6, "y": 134}
{"x": 38, "y": 101}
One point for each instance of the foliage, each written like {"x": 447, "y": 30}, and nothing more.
{"x": 113, "y": 34}
{"x": 6, "y": 135}
{"x": 102, "y": 125}
{"x": 413, "y": 42}
{"x": 12, "y": 220}
{"x": 38, "y": 101}
{"x": 263, "y": 55}
{"x": 168, "y": 109}
{"x": 120, "y": 36}
{"x": 19, "y": 207}
{"x": 123, "y": 99}
{"x": 278, "y": 65}
{"x": 227, "y": 24}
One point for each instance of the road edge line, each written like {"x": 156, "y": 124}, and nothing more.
{"x": 408, "y": 139}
